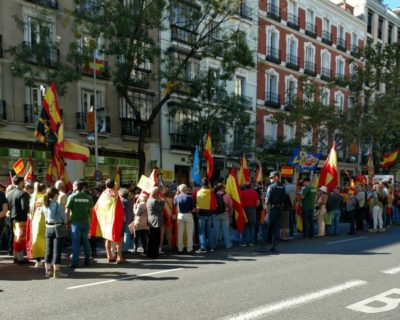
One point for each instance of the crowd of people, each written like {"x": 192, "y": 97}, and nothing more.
{"x": 38, "y": 223}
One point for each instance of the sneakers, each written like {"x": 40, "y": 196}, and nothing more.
{"x": 49, "y": 274}
{"x": 59, "y": 274}
{"x": 38, "y": 264}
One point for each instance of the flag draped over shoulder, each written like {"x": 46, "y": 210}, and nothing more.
{"x": 209, "y": 156}
{"x": 389, "y": 159}
{"x": 196, "y": 167}
{"x": 244, "y": 172}
{"x": 232, "y": 188}
{"x": 329, "y": 175}
{"x": 108, "y": 217}
{"x": 206, "y": 199}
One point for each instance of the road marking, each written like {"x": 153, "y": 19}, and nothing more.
{"x": 346, "y": 240}
{"x": 121, "y": 279}
{"x": 392, "y": 271}
{"x": 293, "y": 302}
{"x": 381, "y": 303}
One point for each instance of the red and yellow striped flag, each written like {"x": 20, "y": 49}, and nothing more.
{"x": 244, "y": 172}
{"x": 389, "y": 159}
{"x": 329, "y": 175}
{"x": 74, "y": 151}
{"x": 19, "y": 167}
{"x": 50, "y": 105}
{"x": 108, "y": 217}
{"x": 258, "y": 177}
{"x": 206, "y": 199}
{"x": 30, "y": 176}
{"x": 232, "y": 188}
{"x": 208, "y": 154}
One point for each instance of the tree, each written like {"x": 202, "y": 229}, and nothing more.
{"x": 129, "y": 29}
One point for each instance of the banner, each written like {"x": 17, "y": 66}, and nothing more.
{"x": 304, "y": 160}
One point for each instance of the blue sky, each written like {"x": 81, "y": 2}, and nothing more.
{"x": 393, "y": 3}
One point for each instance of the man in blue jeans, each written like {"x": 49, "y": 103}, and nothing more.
{"x": 335, "y": 203}
{"x": 79, "y": 212}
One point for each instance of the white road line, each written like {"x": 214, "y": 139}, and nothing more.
{"x": 121, "y": 279}
{"x": 392, "y": 271}
{"x": 293, "y": 302}
{"x": 346, "y": 240}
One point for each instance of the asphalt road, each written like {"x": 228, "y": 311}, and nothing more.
{"x": 325, "y": 278}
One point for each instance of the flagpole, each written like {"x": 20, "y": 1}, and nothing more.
{"x": 96, "y": 149}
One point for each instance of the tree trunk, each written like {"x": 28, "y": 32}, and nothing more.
{"x": 141, "y": 153}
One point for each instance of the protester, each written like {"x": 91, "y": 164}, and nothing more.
{"x": 396, "y": 204}
{"x": 322, "y": 199}
{"x": 334, "y": 205}
{"x": 361, "y": 198}
{"x": 185, "y": 207}
{"x": 307, "y": 208}
{"x": 79, "y": 212}
{"x": 36, "y": 231}
{"x": 155, "y": 211}
{"x": 290, "y": 190}
{"x": 274, "y": 202}
{"x": 250, "y": 201}
{"x": 3, "y": 218}
{"x": 206, "y": 203}
{"x": 18, "y": 200}
{"x": 55, "y": 218}
{"x": 170, "y": 217}
{"x": 350, "y": 205}
{"x": 28, "y": 188}
{"x": 128, "y": 219}
{"x": 222, "y": 216}
{"x": 62, "y": 197}
{"x": 140, "y": 223}
{"x": 377, "y": 210}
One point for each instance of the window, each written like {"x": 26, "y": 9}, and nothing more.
{"x": 326, "y": 25}
{"x": 339, "y": 101}
{"x": 192, "y": 69}
{"x": 271, "y": 96}
{"x": 289, "y": 132}
{"x": 273, "y": 10}
{"x": 340, "y": 65}
{"x": 291, "y": 52}
{"x": 142, "y": 101}
{"x": 325, "y": 65}
{"x": 293, "y": 19}
{"x": 273, "y": 45}
{"x": 307, "y": 138}
{"x": 240, "y": 86}
{"x": 213, "y": 83}
{"x": 87, "y": 105}
{"x": 309, "y": 60}
{"x": 325, "y": 97}
{"x": 310, "y": 23}
{"x": 380, "y": 28}
{"x": 326, "y": 31}
{"x": 390, "y": 33}
{"x": 369, "y": 22}
{"x": 270, "y": 129}
{"x": 341, "y": 39}
{"x": 291, "y": 90}
{"x": 354, "y": 43}
{"x": 34, "y": 97}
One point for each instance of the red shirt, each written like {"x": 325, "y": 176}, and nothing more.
{"x": 249, "y": 198}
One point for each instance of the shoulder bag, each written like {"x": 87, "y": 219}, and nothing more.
{"x": 61, "y": 229}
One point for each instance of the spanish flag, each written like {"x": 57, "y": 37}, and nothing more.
{"x": 209, "y": 156}
{"x": 329, "y": 176}
{"x": 43, "y": 128}
{"x": 206, "y": 199}
{"x": 100, "y": 67}
{"x": 389, "y": 159}
{"x": 108, "y": 217}
{"x": 232, "y": 188}
{"x": 244, "y": 172}
{"x": 370, "y": 167}
{"x": 30, "y": 176}
{"x": 258, "y": 177}
{"x": 153, "y": 177}
{"x": 74, "y": 151}
{"x": 51, "y": 107}
{"x": 19, "y": 167}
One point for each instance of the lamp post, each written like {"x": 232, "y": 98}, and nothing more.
{"x": 96, "y": 147}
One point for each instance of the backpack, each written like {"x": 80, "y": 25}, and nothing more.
{"x": 220, "y": 203}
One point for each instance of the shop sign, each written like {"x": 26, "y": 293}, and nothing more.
{"x": 14, "y": 153}
{"x": 168, "y": 175}
{"x": 101, "y": 159}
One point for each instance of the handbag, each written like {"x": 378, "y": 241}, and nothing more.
{"x": 61, "y": 229}
{"x": 328, "y": 218}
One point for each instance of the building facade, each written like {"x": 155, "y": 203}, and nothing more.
{"x": 176, "y": 154}
{"x": 20, "y": 103}
{"x": 298, "y": 39}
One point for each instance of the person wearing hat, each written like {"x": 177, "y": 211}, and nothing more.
{"x": 307, "y": 208}
{"x": 274, "y": 203}
{"x": 322, "y": 199}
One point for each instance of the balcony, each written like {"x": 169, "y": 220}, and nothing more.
{"x": 293, "y": 21}
{"x": 247, "y": 102}
{"x": 354, "y": 50}
{"x": 42, "y": 54}
{"x": 327, "y": 37}
{"x": 140, "y": 78}
{"x": 273, "y": 55}
{"x": 326, "y": 74}
{"x": 273, "y": 12}
{"x": 1, "y": 46}
{"x": 341, "y": 44}
{"x": 129, "y": 127}
{"x": 180, "y": 141}
{"x": 310, "y": 68}
{"x": 272, "y": 100}
{"x": 311, "y": 30}
{"x": 180, "y": 34}
{"x": 3, "y": 110}
{"x": 53, "y": 4}
{"x": 103, "y": 71}
{"x": 292, "y": 62}
{"x": 339, "y": 75}
{"x": 244, "y": 11}
{"x": 103, "y": 121}
{"x": 30, "y": 114}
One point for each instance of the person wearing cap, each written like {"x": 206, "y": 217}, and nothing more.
{"x": 274, "y": 203}
{"x": 250, "y": 201}
{"x": 322, "y": 199}
{"x": 307, "y": 208}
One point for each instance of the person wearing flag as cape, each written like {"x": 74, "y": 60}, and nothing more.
{"x": 108, "y": 220}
